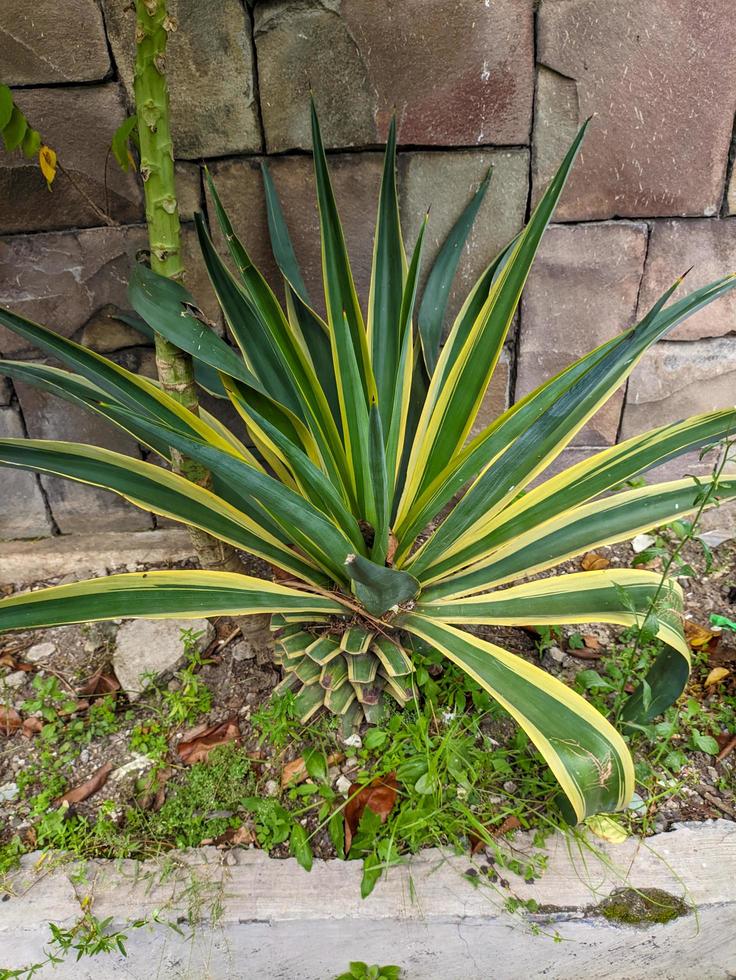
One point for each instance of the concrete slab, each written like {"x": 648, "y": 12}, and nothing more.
{"x": 246, "y": 917}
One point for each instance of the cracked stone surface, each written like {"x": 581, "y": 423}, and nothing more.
{"x": 74, "y": 281}
{"x": 28, "y": 520}
{"x": 675, "y": 380}
{"x": 582, "y": 291}
{"x": 52, "y": 42}
{"x": 654, "y": 74}
{"x": 153, "y": 646}
{"x": 708, "y": 249}
{"x": 463, "y": 78}
{"x": 83, "y": 151}
{"x": 209, "y": 70}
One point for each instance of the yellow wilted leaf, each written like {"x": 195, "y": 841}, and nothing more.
{"x": 47, "y": 162}
{"x": 700, "y": 637}
{"x": 716, "y": 675}
{"x": 606, "y": 828}
{"x": 594, "y": 562}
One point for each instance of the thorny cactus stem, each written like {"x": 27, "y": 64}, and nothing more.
{"x": 153, "y": 25}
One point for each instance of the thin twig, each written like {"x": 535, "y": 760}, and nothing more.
{"x": 110, "y": 222}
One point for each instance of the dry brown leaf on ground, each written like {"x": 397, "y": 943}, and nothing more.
{"x": 86, "y": 789}
{"x": 511, "y": 822}
{"x": 233, "y": 837}
{"x": 591, "y": 642}
{"x": 102, "y": 682}
{"x": 31, "y": 726}
{"x": 197, "y": 749}
{"x": 10, "y": 720}
{"x": 378, "y": 796}
{"x": 295, "y": 772}
{"x": 716, "y": 675}
{"x": 700, "y": 637}
{"x": 594, "y": 561}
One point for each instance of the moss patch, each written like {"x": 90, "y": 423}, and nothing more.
{"x": 641, "y": 906}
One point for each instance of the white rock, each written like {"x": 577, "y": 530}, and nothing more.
{"x": 243, "y": 650}
{"x": 343, "y": 785}
{"x": 8, "y": 791}
{"x": 354, "y": 741}
{"x": 40, "y": 651}
{"x": 641, "y": 542}
{"x": 14, "y": 680}
{"x": 559, "y": 656}
{"x": 153, "y": 646}
{"x": 711, "y": 539}
{"x": 272, "y": 788}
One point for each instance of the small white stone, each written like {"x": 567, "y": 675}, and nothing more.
{"x": 40, "y": 651}
{"x": 272, "y": 788}
{"x": 243, "y": 651}
{"x": 14, "y": 680}
{"x": 343, "y": 785}
{"x": 8, "y": 791}
{"x": 559, "y": 656}
{"x": 510, "y": 786}
{"x": 641, "y": 542}
{"x": 354, "y": 741}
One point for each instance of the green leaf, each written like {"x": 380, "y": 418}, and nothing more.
{"x": 705, "y": 743}
{"x": 15, "y": 130}
{"x": 31, "y": 143}
{"x": 6, "y": 106}
{"x": 336, "y": 830}
{"x": 121, "y": 142}
{"x": 316, "y": 764}
{"x": 300, "y": 847}
{"x": 439, "y": 281}
{"x": 377, "y": 587}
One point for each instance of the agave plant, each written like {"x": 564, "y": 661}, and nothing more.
{"x": 358, "y": 444}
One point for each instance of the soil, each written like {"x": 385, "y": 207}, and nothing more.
{"x": 239, "y": 686}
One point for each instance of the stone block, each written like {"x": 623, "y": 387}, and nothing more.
{"x": 706, "y": 246}
{"x": 6, "y": 391}
{"x": 79, "y": 124}
{"x": 210, "y": 73}
{"x": 455, "y": 78}
{"x": 661, "y": 80}
{"x": 446, "y": 182}
{"x": 582, "y": 291}
{"x": 153, "y": 647}
{"x": 22, "y": 508}
{"x": 188, "y": 189}
{"x": 77, "y": 507}
{"x": 75, "y": 282}
{"x": 673, "y": 381}
{"x": 52, "y": 42}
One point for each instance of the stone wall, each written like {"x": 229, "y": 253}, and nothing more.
{"x": 473, "y": 82}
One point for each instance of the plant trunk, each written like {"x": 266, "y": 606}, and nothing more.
{"x": 174, "y": 366}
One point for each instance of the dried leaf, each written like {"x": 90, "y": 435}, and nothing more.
{"x": 31, "y": 726}
{"x": 82, "y": 792}
{"x": 378, "y": 796}
{"x": 233, "y": 837}
{"x": 47, "y": 163}
{"x": 294, "y": 772}
{"x": 393, "y": 543}
{"x": 197, "y": 749}
{"x": 700, "y": 637}
{"x": 102, "y": 682}
{"x": 10, "y": 720}
{"x": 591, "y": 642}
{"x": 511, "y": 822}
{"x": 716, "y": 675}
{"x": 593, "y": 561}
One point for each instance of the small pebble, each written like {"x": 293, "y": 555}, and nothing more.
{"x": 8, "y": 791}
{"x": 272, "y": 788}
{"x": 510, "y": 786}
{"x": 243, "y": 651}
{"x": 39, "y": 651}
{"x": 343, "y": 785}
{"x": 15, "y": 680}
{"x": 559, "y": 656}
{"x": 354, "y": 741}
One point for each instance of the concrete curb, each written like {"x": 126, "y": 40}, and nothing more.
{"x": 261, "y": 919}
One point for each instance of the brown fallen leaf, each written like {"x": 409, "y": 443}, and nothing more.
{"x": 31, "y": 726}
{"x": 591, "y": 642}
{"x": 102, "y": 682}
{"x": 153, "y": 796}
{"x": 593, "y": 561}
{"x": 295, "y": 772}
{"x": 86, "y": 789}
{"x": 511, "y": 822}
{"x": 10, "y": 720}
{"x": 197, "y": 749}
{"x": 232, "y": 837}
{"x": 716, "y": 676}
{"x": 700, "y": 637}
{"x": 393, "y": 543}
{"x": 378, "y": 796}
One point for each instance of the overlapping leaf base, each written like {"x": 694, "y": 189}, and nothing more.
{"x": 345, "y": 668}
